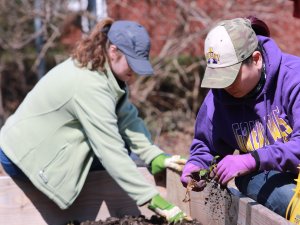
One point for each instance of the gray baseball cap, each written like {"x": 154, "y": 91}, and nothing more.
{"x": 226, "y": 46}
{"x": 133, "y": 40}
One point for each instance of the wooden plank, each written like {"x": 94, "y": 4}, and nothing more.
{"x": 252, "y": 213}
{"x": 21, "y": 203}
{"x": 176, "y": 192}
{"x": 212, "y": 208}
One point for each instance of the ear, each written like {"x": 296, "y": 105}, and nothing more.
{"x": 257, "y": 59}
{"x": 113, "y": 52}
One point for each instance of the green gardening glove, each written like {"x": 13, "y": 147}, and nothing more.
{"x": 163, "y": 161}
{"x": 167, "y": 210}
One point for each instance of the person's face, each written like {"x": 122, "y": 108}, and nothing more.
{"x": 247, "y": 78}
{"x": 119, "y": 66}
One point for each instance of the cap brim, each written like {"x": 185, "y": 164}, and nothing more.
{"x": 220, "y": 77}
{"x": 140, "y": 66}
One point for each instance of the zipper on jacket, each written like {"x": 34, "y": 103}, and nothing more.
{"x": 43, "y": 176}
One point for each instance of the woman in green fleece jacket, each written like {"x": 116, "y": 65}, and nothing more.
{"x": 80, "y": 109}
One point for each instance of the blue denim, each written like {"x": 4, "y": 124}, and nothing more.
{"x": 10, "y": 168}
{"x": 272, "y": 189}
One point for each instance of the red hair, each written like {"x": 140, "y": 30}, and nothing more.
{"x": 92, "y": 49}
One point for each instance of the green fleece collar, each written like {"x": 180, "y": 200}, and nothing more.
{"x": 113, "y": 83}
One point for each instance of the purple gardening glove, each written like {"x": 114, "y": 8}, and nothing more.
{"x": 233, "y": 166}
{"x": 191, "y": 171}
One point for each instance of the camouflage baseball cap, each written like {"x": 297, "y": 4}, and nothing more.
{"x": 225, "y": 47}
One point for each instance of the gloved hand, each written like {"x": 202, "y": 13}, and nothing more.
{"x": 167, "y": 210}
{"x": 163, "y": 161}
{"x": 191, "y": 171}
{"x": 233, "y": 166}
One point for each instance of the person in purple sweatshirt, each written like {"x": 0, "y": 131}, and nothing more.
{"x": 254, "y": 107}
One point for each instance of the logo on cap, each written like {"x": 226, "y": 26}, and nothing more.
{"x": 212, "y": 58}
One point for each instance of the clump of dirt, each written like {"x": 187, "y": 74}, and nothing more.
{"x": 132, "y": 220}
{"x": 218, "y": 200}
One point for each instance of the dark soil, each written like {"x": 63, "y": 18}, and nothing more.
{"x": 130, "y": 220}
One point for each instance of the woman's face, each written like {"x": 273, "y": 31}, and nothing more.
{"x": 120, "y": 67}
{"x": 247, "y": 78}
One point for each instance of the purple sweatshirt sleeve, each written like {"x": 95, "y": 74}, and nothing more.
{"x": 285, "y": 156}
{"x": 200, "y": 153}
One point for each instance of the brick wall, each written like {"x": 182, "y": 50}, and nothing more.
{"x": 167, "y": 20}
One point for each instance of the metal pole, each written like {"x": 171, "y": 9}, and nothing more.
{"x": 38, "y": 4}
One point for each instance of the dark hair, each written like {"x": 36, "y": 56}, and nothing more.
{"x": 259, "y": 26}
{"x": 92, "y": 49}
{"x": 249, "y": 60}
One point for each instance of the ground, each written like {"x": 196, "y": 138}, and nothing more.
{"x": 129, "y": 220}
